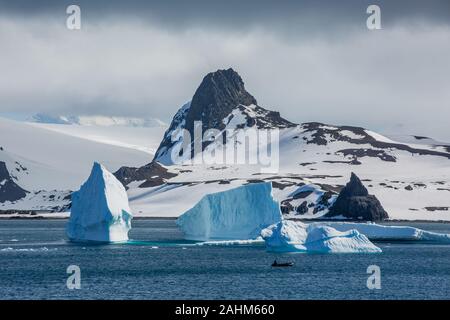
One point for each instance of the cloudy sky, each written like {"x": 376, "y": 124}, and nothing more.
{"x": 311, "y": 60}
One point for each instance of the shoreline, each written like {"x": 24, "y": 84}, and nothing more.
{"x": 56, "y": 217}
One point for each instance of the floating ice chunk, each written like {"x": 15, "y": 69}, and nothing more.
{"x": 291, "y": 236}
{"x": 380, "y": 232}
{"x": 100, "y": 210}
{"x": 236, "y": 214}
{"x": 257, "y": 241}
{"x": 10, "y": 249}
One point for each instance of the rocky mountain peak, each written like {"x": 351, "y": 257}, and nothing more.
{"x": 222, "y": 87}
{"x": 354, "y": 187}
{"x": 216, "y": 97}
{"x": 220, "y": 97}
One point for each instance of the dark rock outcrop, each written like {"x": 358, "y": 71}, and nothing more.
{"x": 20, "y": 212}
{"x": 9, "y": 190}
{"x": 355, "y": 202}
{"x": 219, "y": 94}
{"x": 286, "y": 207}
{"x": 436, "y": 208}
{"x": 323, "y": 202}
{"x": 152, "y": 174}
{"x": 373, "y": 153}
{"x": 302, "y": 208}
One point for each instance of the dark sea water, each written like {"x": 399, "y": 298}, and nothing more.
{"x": 34, "y": 257}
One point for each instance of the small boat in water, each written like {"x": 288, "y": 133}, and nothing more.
{"x": 285, "y": 264}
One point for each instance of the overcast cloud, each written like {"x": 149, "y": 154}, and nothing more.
{"x": 311, "y": 60}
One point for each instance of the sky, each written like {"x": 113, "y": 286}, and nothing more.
{"x": 310, "y": 60}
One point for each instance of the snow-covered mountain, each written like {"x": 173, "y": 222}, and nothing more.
{"x": 103, "y": 121}
{"x": 410, "y": 178}
{"x": 220, "y": 102}
{"x": 411, "y": 183}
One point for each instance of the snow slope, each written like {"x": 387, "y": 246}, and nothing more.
{"x": 145, "y": 139}
{"x": 412, "y": 183}
{"x": 58, "y": 161}
{"x": 50, "y": 160}
{"x": 413, "y": 187}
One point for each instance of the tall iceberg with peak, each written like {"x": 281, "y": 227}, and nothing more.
{"x": 100, "y": 211}
{"x": 240, "y": 213}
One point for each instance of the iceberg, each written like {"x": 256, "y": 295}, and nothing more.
{"x": 100, "y": 211}
{"x": 292, "y": 236}
{"x": 237, "y": 214}
{"x": 396, "y": 233}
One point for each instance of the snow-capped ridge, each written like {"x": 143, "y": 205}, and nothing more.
{"x": 172, "y": 136}
{"x": 253, "y": 116}
{"x": 380, "y": 146}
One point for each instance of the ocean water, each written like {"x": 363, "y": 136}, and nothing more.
{"x": 34, "y": 256}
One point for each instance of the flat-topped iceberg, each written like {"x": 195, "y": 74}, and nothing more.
{"x": 381, "y": 232}
{"x": 292, "y": 236}
{"x": 237, "y": 214}
{"x": 100, "y": 211}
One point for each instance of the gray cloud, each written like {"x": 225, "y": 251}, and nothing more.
{"x": 288, "y": 17}
{"x": 313, "y": 61}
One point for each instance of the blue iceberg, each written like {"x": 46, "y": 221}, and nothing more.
{"x": 236, "y": 214}
{"x": 292, "y": 236}
{"x": 100, "y": 211}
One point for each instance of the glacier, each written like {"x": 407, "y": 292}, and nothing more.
{"x": 237, "y": 214}
{"x": 293, "y": 236}
{"x": 100, "y": 211}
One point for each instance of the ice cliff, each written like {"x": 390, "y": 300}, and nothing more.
{"x": 100, "y": 210}
{"x": 291, "y": 236}
{"x": 239, "y": 213}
